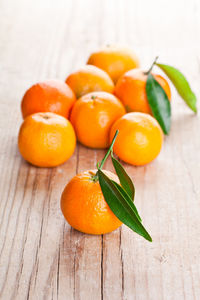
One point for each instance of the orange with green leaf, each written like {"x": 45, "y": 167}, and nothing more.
{"x": 146, "y": 92}
{"x": 107, "y": 201}
{"x": 131, "y": 90}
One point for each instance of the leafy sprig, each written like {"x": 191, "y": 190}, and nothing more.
{"x": 158, "y": 99}
{"x": 120, "y": 197}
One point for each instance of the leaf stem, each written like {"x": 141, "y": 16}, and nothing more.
{"x": 150, "y": 69}
{"x": 109, "y": 150}
{"x": 95, "y": 177}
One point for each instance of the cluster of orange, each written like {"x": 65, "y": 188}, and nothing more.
{"x": 105, "y": 95}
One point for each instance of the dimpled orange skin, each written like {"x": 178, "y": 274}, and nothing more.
{"x": 114, "y": 60}
{"x": 92, "y": 117}
{"x": 84, "y": 207}
{"x": 46, "y": 139}
{"x": 130, "y": 89}
{"x": 139, "y": 140}
{"x": 88, "y": 79}
{"x": 48, "y": 96}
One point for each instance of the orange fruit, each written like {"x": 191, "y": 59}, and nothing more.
{"x": 130, "y": 89}
{"x": 48, "y": 96}
{"x": 139, "y": 140}
{"x": 46, "y": 139}
{"x": 92, "y": 117}
{"x": 84, "y": 207}
{"x": 88, "y": 79}
{"x": 114, "y": 60}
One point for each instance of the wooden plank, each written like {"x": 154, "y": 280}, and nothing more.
{"x": 41, "y": 256}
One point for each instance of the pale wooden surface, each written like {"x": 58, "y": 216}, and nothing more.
{"x": 41, "y": 257}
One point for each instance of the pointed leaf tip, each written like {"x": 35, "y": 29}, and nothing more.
{"x": 181, "y": 84}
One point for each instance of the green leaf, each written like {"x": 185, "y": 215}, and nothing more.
{"x": 181, "y": 84}
{"x": 124, "y": 179}
{"x": 125, "y": 195}
{"x": 120, "y": 206}
{"x": 159, "y": 103}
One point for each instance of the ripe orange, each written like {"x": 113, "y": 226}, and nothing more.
{"x": 114, "y": 60}
{"x": 92, "y": 117}
{"x": 84, "y": 207}
{"x": 46, "y": 139}
{"x": 139, "y": 140}
{"x": 48, "y": 96}
{"x": 88, "y": 79}
{"x": 130, "y": 89}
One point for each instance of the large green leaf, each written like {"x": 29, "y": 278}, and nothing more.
{"x": 127, "y": 197}
{"x": 124, "y": 179}
{"x": 159, "y": 103}
{"x": 181, "y": 84}
{"x": 120, "y": 206}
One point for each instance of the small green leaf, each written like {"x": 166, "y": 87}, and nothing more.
{"x": 125, "y": 195}
{"x": 181, "y": 84}
{"x": 124, "y": 179}
{"x": 120, "y": 206}
{"x": 159, "y": 103}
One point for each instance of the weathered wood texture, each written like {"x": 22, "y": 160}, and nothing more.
{"x": 41, "y": 257}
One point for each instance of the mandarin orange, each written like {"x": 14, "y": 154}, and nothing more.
{"x": 48, "y": 96}
{"x": 46, "y": 139}
{"x": 139, "y": 140}
{"x": 88, "y": 79}
{"x": 130, "y": 89}
{"x": 115, "y": 60}
{"x": 84, "y": 207}
{"x": 92, "y": 117}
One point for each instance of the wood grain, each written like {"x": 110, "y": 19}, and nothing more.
{"x": 41, "y": 256}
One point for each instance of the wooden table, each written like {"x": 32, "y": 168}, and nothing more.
{"x": 41, "y": 256}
